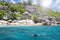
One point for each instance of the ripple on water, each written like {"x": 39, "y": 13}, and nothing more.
{"x": 25, "y": 33}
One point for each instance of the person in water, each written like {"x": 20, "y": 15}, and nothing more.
{"x": 36, "y": 35}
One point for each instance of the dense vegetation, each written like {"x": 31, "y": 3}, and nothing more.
{"x": 49, "y": 12}
{"x": 2, "y": 14}
{"x": 53, "y": 13}
{"x": 19, "y": 9}
{"x": 12, "y": 8}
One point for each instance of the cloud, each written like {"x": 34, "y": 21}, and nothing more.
{"x": 12, "y": 1}
{"x": 34, "y": 1}
{"x": 46, "y": 3}
{"x": 56, "y": 5}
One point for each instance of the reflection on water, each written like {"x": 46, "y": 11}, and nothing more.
{"x": 26, "y": 33}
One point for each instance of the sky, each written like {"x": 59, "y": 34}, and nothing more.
{"x": 53, "y": 4}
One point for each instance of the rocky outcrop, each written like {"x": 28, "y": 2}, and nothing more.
{"x": 5, "y": 8}
{"x": 33, "y": 10}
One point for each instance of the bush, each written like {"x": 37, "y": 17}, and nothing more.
{"x": 17, "y": 8}
{"x": 2, "y": 14}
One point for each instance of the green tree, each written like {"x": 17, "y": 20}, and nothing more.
{"x": 1, "y": 3}
{"x": 34, "y": 17}
{"x": 21, "y": 16}
{"x": 17, "y": 8}
{"x": 12, "y": 8}
{"x": 11, "y": 16}
{"x": 2, "y": 14}
{"x": 20, "y": 8}
{"x": 4, "y": 3}
{"x": 53, "y": 13}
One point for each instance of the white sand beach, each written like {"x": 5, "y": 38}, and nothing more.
{"x": 19, "y": 23}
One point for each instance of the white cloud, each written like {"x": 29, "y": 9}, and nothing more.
{"x": 57, "y": 2}
{"x": 34, "y": 1}
{"x": 12, "y": 1}
{"x": 46, "y": 3}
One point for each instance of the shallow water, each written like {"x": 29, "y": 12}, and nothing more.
{"x": 27, "y": 32}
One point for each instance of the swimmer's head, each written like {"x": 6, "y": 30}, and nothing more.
{"x": 36, "y": 35}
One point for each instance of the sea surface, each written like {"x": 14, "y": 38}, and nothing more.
{"x": 27, "y": 33}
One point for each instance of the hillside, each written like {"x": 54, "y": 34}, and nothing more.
{"x": 16, "y": 11}
{"x": 41, "y": 11}
{"x": 49, "y": 12}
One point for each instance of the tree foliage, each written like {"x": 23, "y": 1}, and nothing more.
{"x": 3, "y": 3}
{"x": 53, "y": 13}
{"x": 11, "y": 16}
{"x": 17, "y": 8}
{"x": 2, "y": 14}
{"x": 21, "y": 16}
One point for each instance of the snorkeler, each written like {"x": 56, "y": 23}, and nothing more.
{"x": 36, "y": 35}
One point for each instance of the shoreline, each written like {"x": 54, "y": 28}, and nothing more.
{"x": 24, "y": 23}
{"x": 27, "y": 25}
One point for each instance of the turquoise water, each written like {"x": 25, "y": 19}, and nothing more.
{"x": 27, "y": 32}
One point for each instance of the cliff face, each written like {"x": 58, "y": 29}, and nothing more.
{"x": 41, "y": 11}
{"x": 34, "y": 10}
{"x": 5, "y": 8}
